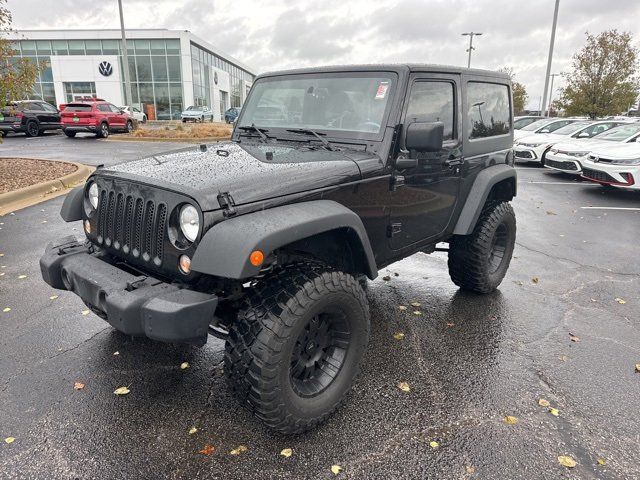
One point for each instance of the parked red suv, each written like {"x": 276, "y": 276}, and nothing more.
{"x": 94, "y": 116}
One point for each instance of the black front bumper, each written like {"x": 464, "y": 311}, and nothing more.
{"x": 133, "y": 304}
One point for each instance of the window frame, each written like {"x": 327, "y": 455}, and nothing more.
{"x": 510, "y": 109}
{"x": 453, "y": 80}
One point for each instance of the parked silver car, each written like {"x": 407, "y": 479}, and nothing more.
{"x": 197, "y": 114}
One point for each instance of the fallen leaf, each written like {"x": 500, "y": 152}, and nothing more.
{"x": 417, "y": 312}
{"x": 535, "y": 279}
{"x": 336, "y": 469}
{"x": 20, "y": 277}
{"x": 9, "y": 440}
{"x": 1, "y": 274}
{"x": 567, "y": 461}
{"x": 86, "y": 312}
{"x": 549, "y": 212}
{"x": 415, "y": 304}
{"x": 116, "y": 353}
{"x": 564, "y": 358}
{"x": 44, "y": 221}
{"x": 402, "y": 308}
{"x": 398, "y": 336}
{"x": 404, "y": 386}
{"x": 238, "y": 450}
{"x": 184, "y": 365}
{"x": 621, "y": 301}
{"x": 470, "y": 469}
{"x": 121, "y": 391}
{"x": 434, "y": 444}
{"x": 192, "y": 430}
{"x": 207, "y": 450}
{"x": 574, "y": 338}
{"x": 386, "y": 278}
{"x": 519, "y": 283}
{"x": 451, "y": 324}
{"x": 510, "y": 420}
{"x": 53, "y": 297}
{"x": 1, "y": 254}
{"x": 601, "y": 461}
{"x": 544, "y": 403}
{"x": 286, "y": 452}
{"x": 6, "y": 310}
{"x": 78, "y": 386}
{"x": 637, "y": 367}
{"x": 554, "y": 411}
{"x": 593, "y": 300}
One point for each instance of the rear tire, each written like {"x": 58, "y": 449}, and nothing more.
{"x": 70, "y": 134}
{"x": 103, "y": 131}
{"x": 478, "y": 262}
{"x": 129, "y": 127}
{"x": 3, "y": 134}
{"x": 32, "y": 129}
{"x": 144, "y": 119}
{"x": 295, "y": 348}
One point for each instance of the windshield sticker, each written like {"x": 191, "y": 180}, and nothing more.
{"x": 382, "y": 90}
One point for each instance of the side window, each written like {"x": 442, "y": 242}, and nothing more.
{"x": 489, "y": 112}
{"x": 49, "y": 108}
{"x": 556, "y": 125}
{"x": 104, "y": 108}
{"x": 597, "y": 129}
{"x": 433, "y": 101}
{"x": 114, "y": 109}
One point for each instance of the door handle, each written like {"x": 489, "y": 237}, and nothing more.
{"x": 454, "y": 162}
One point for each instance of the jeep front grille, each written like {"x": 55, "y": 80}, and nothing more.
{"x": 132, "y": 225}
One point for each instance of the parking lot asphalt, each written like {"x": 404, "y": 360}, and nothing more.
{"x": 84, "y": 148}
{"x": 557, "y": 330}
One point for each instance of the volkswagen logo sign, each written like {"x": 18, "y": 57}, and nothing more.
{"x": 105, "y": 69}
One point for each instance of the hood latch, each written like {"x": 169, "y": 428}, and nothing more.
{"x": 228, "y": 205}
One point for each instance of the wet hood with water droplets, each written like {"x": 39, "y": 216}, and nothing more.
{"x": 248, "y": 172}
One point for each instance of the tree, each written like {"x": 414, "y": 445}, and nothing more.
{"x": 603, "y": 80}
{"x": 17, "y": 75}
{"x": 520, "y": 95}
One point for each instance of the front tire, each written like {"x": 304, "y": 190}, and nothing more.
{"x": 295, "y": 349}
{"x": 70, "y": 134}
{"x": 478, "y": 262}
{"x": 129, "y": 126}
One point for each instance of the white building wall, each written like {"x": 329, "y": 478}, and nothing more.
{"x": 70, "y": 68}
{"x": 187, "y": 72}
{"x": 223, "y": 85}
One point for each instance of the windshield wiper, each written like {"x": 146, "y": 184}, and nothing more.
{"x": 257, "y": 129}
{"x": 308, "y": 131}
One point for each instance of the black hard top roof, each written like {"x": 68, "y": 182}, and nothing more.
{"x": 389, "y": 67}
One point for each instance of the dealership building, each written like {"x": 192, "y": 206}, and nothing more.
{"x": 169, "y": 69}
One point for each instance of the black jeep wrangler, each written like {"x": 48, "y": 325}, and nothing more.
{"x": 267, "y": 240}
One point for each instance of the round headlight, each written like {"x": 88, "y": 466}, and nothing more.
{"x": 189, "y": 222}
{"x": 93, "y": 195}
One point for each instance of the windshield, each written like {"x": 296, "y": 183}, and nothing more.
{"x": 571, "y": 128}
{"x": 536, "y": 125}
{"x": 523, "y": 122}
{"x": 78, "y": 108}
{"x": 193, "y": 108}
{"x": 619, "y": 133}
{"x": 351, "y": 102}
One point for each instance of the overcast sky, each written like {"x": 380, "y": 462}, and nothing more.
{"x": 274, "y": 34}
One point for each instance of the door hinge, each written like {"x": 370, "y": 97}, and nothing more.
{"x": 397, "y": 181}
{"x": 226, "y": 202}
{"x": 394, "y": 229}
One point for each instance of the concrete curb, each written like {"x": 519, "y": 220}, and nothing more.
{"x": 33, "y": 194}
{"x": 167, "y": 140}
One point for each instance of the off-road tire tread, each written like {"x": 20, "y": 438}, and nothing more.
{"x": 263, "y": 324}
{"x": 468, "y": 252}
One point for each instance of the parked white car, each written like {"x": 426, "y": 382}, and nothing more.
{"x": 135, "y": 113}
{"x": 616, "y": 165}
{"x": 567, "y": 156}
{"x": 547, "y": 125}
{"x": 197, "y": 114}
{"x": 534, "y": 148}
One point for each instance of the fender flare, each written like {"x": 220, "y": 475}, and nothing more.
{"x": 72, "y": 206}
{"x": 224, "y": 250}
{"x": 478, "y": 194}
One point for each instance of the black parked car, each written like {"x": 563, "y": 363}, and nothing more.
{"x": 29, "y": 116}
{"x": 267, "y": 240}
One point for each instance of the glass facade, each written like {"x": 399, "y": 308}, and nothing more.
{"x": 201, "y": 60}
{"x": 154, "y": 67}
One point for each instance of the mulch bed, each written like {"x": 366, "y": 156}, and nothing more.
{"x": 21, "y": 172}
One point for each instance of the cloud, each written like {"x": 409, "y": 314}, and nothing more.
{"x": 276, "y": 34}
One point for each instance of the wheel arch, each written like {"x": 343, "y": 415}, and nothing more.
{"x": 498, "y": 182}
{"x": 225, "y": 249}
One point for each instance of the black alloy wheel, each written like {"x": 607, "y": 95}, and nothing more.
{"x": 32, "y": 129}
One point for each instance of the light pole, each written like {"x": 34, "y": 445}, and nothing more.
{"x": 125, "y": 60}
{"x": 553, "y": 76}
{"x": 550, "y": 58}
{"x": 471, "y": 48}
{"x": 479, "y": 105}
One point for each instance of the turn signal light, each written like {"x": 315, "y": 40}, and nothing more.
{"x": 87, "y": 226}
{"x": 184, "y": 262}
{"x": 256, "y": 258}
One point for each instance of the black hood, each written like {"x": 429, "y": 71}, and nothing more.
{"x": 248, "y": 172}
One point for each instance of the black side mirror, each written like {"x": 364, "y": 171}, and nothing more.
{"x": 424, "y": 136}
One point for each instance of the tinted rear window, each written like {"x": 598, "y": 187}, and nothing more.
{"x": 489, "y": 111}
{"x": 78, "y": 108}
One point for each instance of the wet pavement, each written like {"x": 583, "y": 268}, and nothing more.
{"x": 469, "y": 361}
